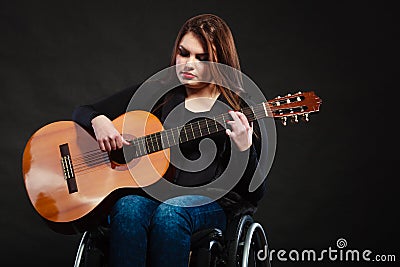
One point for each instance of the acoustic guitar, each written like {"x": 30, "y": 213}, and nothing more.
{"x": 68, "y": 178}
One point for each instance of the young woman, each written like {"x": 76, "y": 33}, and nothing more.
{"x": 143, "y": 229}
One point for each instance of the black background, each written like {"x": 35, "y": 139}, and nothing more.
{"x": 332, "y": 178}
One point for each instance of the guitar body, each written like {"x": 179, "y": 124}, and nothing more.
{"x": 96, "y": 175}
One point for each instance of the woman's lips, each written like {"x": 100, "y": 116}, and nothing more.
{"x": 187, "y": 75}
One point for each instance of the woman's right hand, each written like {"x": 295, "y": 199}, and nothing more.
{"x": 106, "y": 135}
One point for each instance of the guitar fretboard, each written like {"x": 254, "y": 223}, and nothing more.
{"x": 203, "y": 127}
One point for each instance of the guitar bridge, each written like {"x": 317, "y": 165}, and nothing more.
{"x": 66, "y": 164}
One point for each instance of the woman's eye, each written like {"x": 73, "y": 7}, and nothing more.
{"x": 202, "y": 58}
{"x": 183, "y": 53}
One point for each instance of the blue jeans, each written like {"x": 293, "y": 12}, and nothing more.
{"x": 145, "y": 231}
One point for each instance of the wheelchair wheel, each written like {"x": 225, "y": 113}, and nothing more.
{"x": 244, "y": 249}
{"x": 81, "y": 249}
{"x": 92, "y": 250}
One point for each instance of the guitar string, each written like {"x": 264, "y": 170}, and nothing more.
{"x": 89, "y": 160}
{"x": 200, "y": 127}
{"x": 154, "y": 137}
{"x": 95, "y": 154}
{"x": 204, "y": 125}
{"x": 90, "y": 163}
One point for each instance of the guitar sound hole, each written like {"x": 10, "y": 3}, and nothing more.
{"x": 123, "y": 156}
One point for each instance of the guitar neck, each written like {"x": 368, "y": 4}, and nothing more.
{"x": 280, "y": 107}
{"x": 203, "y": 127}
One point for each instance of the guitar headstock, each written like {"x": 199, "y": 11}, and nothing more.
{"x": 296, "y": 105}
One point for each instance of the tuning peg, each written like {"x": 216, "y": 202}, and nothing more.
{"x": 284, "y": 121}
{"x": 305, "y": 117}
{"x": 288, "y": 99}
{"x": 295, "y": 119}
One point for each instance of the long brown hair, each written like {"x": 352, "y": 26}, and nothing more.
{"x": 217, "y": 40}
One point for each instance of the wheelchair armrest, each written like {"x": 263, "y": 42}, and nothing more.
{"x": 203, "y": 237}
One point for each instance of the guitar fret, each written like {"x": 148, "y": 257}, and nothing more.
{"x": 138, "y": 145}
{"x": 145, "y": 150}
{"x": 157, "y": 141}
{"x": 152, "y": 143}
{"x": 173, "y": 137}
{"x": 191, "y": 127}
{"x": 140, "y": 142}
{"x": 208, "y": 129}
{"x": 161, "y": 140}
{"x": 224, "y": 120}
{"x": 198, "y": 123}
{"x": 179, "y": 135}
{"x": 135, "y": 147}
{"x": 144, "y": 146}
{"x": 252, "y": 110}
{"x": 256, "y": 111}
{"x": 147, "y": 144}
{"x": 166, "y": 135}
{"x": 184, "y": 128}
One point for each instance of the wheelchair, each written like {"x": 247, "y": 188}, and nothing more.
{"x": 243, "y": 243}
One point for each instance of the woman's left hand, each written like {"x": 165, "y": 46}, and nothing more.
{"x": 241, "y": 131}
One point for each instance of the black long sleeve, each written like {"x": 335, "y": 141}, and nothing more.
{"x": 251, "y": 170}
{"x": 111, "y": 106}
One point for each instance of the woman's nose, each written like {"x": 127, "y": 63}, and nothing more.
{"x": 191, "y": 61}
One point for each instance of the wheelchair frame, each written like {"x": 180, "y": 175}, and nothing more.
{"x": 238, "y": 246}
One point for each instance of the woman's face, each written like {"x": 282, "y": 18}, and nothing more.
{"x": 190, "y": 65}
